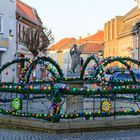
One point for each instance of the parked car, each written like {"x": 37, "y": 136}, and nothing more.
{"x": 90, "y": 70}
{"x": 134, "y": 70}
{"x": 123, "y": 76}
{"x": 107, "y": 77}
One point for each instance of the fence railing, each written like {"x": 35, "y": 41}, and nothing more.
{"x": 63, "y": 103}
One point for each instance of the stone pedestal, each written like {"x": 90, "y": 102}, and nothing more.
{"x": 74, "y": 103}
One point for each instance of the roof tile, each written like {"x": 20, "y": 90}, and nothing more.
{"x": 89, "y": 47}
{"x": 65, "y": 43}
{"x": 27, "y": 12}
{"x": 98, "y": 37}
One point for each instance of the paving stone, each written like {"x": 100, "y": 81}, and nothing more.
{"x": 9, "y": 134}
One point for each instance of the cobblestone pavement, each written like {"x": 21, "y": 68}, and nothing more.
{"x": 8, "y": 134}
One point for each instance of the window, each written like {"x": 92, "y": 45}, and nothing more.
{"x": 1, "y": 23}
{"x": 23, "y": 30}
{"x": 19, "y": 33}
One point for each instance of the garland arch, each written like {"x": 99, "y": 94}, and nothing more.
{"x": 29, "y": 69}
{"x": 86, "y": 63}
{"x": 13, "y": 62}
{"x": 118, "y": 59}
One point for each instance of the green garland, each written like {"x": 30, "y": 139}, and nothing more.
{"x": 101, "y": 64}
{"x": 111, "y": 89}
{"x": 57, "y": 117}
{"x": 74, "y": 91}
{"x": 54, "y": 74}
{"x": 86, "y": 63}
{"x": 43, "y": 59}
{"x": 13, "y": 62}
{"x": 111, "y": 60}
{"x": 122, "y": 61}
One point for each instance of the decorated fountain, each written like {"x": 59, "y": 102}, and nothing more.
{"x": 56, "y": 97}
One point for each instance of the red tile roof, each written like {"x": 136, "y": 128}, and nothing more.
{"x": 98, "y": 37}
{"x": 65, "y": 43}
{"x": 89, "y": 47}
{"x": 27, "y": 12}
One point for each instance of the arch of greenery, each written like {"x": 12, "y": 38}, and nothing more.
{"x": 100, "y": 65}
{"x": 59, "y": 92}
{"x": 13, "y": 62}
{"x": 57, "y": 74}
{"x": 86, "y": 64}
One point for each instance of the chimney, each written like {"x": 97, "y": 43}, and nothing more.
{"x": 88, "y": 34}
{"x": 80, "y": 39}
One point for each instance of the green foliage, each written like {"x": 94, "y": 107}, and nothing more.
{"x": 13, "y": 62}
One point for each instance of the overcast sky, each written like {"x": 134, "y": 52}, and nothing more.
{"x": 74, "y": 18}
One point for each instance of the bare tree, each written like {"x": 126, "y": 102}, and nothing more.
{"x": 37, "y": 40}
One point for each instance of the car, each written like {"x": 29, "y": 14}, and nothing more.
{"x": 90, "y": 70}
{"x": 107, "y": 77}
{"x": 134, "y": 70}
{"x": 119, "y": 76}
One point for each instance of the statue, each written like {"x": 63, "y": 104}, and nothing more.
{"x": 75, "y": 56}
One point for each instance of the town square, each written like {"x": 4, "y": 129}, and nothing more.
{"x": 57, "y": 83}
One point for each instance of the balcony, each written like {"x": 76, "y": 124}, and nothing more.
{"x": 4, "y": 43}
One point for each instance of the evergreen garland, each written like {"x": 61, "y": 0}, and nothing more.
{"x": 86, "y": 63}
{"x": 13, "y": 62}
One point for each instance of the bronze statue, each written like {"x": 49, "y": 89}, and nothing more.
{"x": 75, "y": 56}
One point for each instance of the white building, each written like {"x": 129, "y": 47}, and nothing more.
{"x": 15, "y": 17}
{"x": 26, "y": 17}
{"x": 7, "y": 37}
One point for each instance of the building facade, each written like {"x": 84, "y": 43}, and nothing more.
{"x": 26, "y": 17}
{"x": 15, "y": 17}
{"x": 7, "y": 38}
{"x": 111, "y": 31}
{"x": 92, "y": 45}
{"x": 122, "y": 37}
{"x": 60, "y": 52}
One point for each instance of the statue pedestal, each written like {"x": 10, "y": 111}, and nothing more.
{"x": 74, "y": 103}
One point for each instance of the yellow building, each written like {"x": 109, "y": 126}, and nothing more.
{"x": 121, "y": 35}
{"x": 111, "y": 31}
